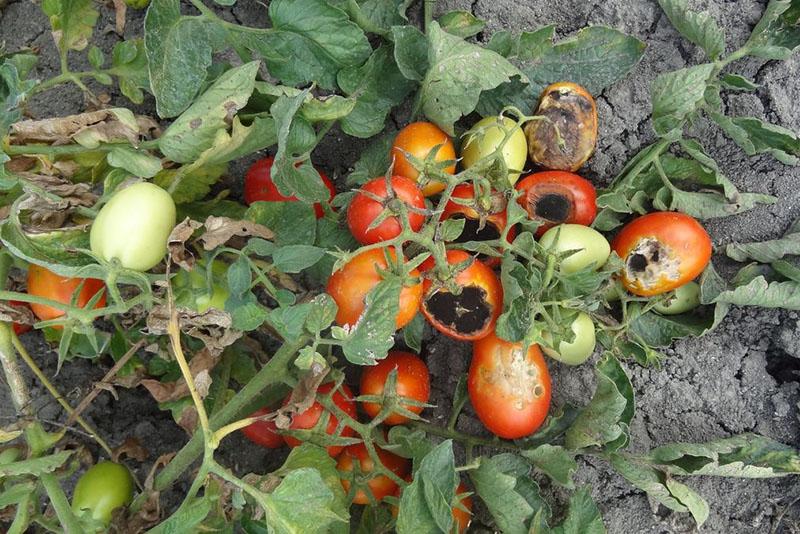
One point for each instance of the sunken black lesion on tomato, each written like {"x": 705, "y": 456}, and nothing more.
{"x": 553, "y": 207}
{"x": 473, "y": 231}
{"x": 465, "y": 313}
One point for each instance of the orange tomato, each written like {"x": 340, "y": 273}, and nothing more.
{"x": 45, "y": 283}
{"x": 343, "y": 398}
{"x": 380, "y": 486}
{"x": 419, "y": 139}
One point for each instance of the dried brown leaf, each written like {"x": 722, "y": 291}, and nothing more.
{"x": 94, "y": 126}
{"x": 221, "y": 229}
{"x": 213, "y": 326}
{"x": 52, "y": 200}
{"x": 202, "y": 362}
{"x": 188, "y": 419}
{"x": 176, "y": 243}
{"x": 16, "y": 314}
{"x": 302, "y": 397}
{"x": 130, "y": 448}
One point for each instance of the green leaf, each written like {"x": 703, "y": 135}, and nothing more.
{"x": 189, "y": 182}
{"x": 735, "y": 82}
{"x": 699, "y": 28}
{"x": 72, "y": 22}
{"x": 195, "y": 131}
{"x": 331, "y": 235}
{"x": 766, "y": 251}
{"x": 755, "y": 136}
{"x": 696, "y": 505}
{"x": 759, "y": 292}
{"x": 410, "y": 52}
{"x": 461, "y": 23}
{"x": 322, "y": 313}
{"x": 294, "y": 223}
{"x": 413, "y": 331}
{"x": 137, "y": 162}
{"x": 190, "y": 515}
{"x": 555, "y": 461}
{"x": 458, "y": 73}
{"x": 16, "y": 493}
{"x": 678, "y": 94}
{"x": 373, "y": 335}
{"x": 606, "y": 418}
{"x": 425, "y": 506}
{"x": 374, "y": 160}
{"x": 777, "y": 34}
{"x": 178, "y": 54}
{"x": 583, "y": 517}
{"x": 660, "y": 330}
{"x": 296, "y": 258}
{"x": 96, "y": 58}
{"x": 647, "y": 479}
{"x": 35, "y": 466}
{"x": 378, "y": 86}
{"x": 504, "y": 484}
{"x": 13, "y": 91}
{"x": 310, "y": 41}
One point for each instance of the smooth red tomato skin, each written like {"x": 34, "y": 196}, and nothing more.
{"x": 19, "y": 328}
{"x": 351, "y": 284}
{"x": 263, "y": 433}
{"x": 418, "y": 139}
{"x": 497, "y": 219}
{"x": 363, "y": 210}
{"x": 343, "y": 398}
{"x": 258, "y": 185}
{"x": 380, "y": 486}
{"x": 45, "y": 283}
{"x": 477, "y": 274}
{"x": 510, "y": 394}
{"x": 685, "y": 246}
{"x": 413, "y": 382}
{"x": 578, "y": 191}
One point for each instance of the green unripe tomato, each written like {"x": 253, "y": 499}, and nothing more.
{"x": 579, "y": 350}
{"x": 592, "y": 247}
{"x": 684, "y": 299}
{"x": 134, "y": 226}
{"x": 191, "y": 288}
{"x": 102, "y": 489}
{"x": 484, "y": 138}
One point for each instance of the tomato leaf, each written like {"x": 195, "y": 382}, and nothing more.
{"x": 759, "y": 292}
{"x": 458, "y": 73}
{"x": 555, "y": 461}
{"x": 410, "y": 52}
{"x": 413, "y": 332}
{"x": 294, "y": 223}
{"x": 767, "y": 251}
{"x": 660, "y": 330}
{"x": 296, "y": 258}
{"x": 72, "y": 22}
{"x": 178, "y": 53}
{"x": 373, "y": 335}
{"x": 777, "y": 34}
{"x": 583, "y": 517}
{"x": 425, "y": 506}
{"x": 189, "y": 517}
{"x": 374, "y": 160}
{"x": 129, "y": 65}
{"x": 647, "y": 479}
{"x": 13, "y": 91}
{"x": 736, "y": 82}
{"x": 136, "y": 162}
{"x": 678, "y": 94}
{"x": 35, "y": 466}
{"x": 461, "y": 23}
{"x": 755, "y": 136}
{"x": 699, "y": 28}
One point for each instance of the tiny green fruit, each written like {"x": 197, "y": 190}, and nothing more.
{"x": 191, "y": 289}
{"x": 580, "y": 348}
{"x": 684, "y": 299}
{"x": 592, "y": 248}
{"x": 103, "y": 488}
{"x": 484, "y": 138}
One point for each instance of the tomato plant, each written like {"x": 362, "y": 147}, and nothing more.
{"x": 133, "y": 226}
{"x": 412, "y": 382}
{"x": 343, "y": 398}
{"x": 556, "y": 197}
{"x": 468, "y": 309}
{"x": 264, "y": 432}
{"x": 379, "y": 486}
{"x": 259, "y": 187}
{"x": 103, "y": 488}
{"x": 487, "y": 135}
{"x": 581, "y": 346}
{"x": 661, "y": 251}
{"x": 462, "y": 510}
{"x": 419, "y": 139}
{"x": 586, "y": 247}
{"x": 367, "y": 215}
{"x": 508, "y": 387}
{"x": 47, "y": 284}
{"x": 350, "y": 285}
{"x": 685, "y": 298}
{"x": 191, "y": 288}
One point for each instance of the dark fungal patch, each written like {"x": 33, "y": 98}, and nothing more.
{"x": 552, "y": 207}
{"x": 472, "y": 232}
{"x": 465, "y": 314}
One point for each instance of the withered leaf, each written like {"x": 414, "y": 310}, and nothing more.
{"x": 16, "y": 314}
{"x": 302, "y": 397}
{"x": 202, "y": 362}
{"x": 220, "y": 229}
{"x": 51, "y": 200}
{"x": 177, "y": 243}
{"x": 89, "y": 129}
{"x": 213, "y": 326}
{"x": 130, "y": 448}
{"x": 188, "y": 419}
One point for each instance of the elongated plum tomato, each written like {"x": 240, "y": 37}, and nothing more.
{"x": 686, "y": 298}
{"x": 419, "y": 139}
{"x": 661, "y": 251}
{"x": 45, "y": 283}
{"x": 258, "y": 185}
{"x": 484, "y": 218}
{"x": 351, "y": 284}
{"x": 343, "y": 398}
{"x": 380, "y": 486}
{"x": 263, "y": 433}
{"x": 485, "y": 137}
{"x": 363, "y": 209}
{"x": 462, "y": 512}
{"x": 133, "y": 227}
{"x": 471, "y": 314}
{"x": 556, "y": 197}
{"x": 509, "y": 388}
{"x": 413, "y": 382}
{"x": 592, "y": 248}
{"x": 566, "y": 137}
{"x": 578, "y": 350}
{"x": 103, "y": 488}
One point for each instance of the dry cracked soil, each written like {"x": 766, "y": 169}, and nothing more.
{"x": 741, "y": 378}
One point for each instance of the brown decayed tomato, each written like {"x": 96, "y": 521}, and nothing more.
{"x": 380, "y": 486}
{"x": 263, "y": 433}
{"x": 484, "y": 218}
{"x": 471, "y": 314}
{"x": 419, "y": 139}
{"x": 258, "y": 185}
{"x": 351, "y": 284}
{"x": 556, "y": 197}
{"x": 45, "y": 283}
{"x": 413, "y": 382}
{"x": 343, "y": 398}
{"x": 363, "y": 209}
{"x": 567, "y": 136}
{"x": 509, "y": 388}
{"x": 662, "y": 251}
{"x": 462, "y": 514}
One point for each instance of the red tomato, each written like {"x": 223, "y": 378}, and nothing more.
{"x": 413, "y": 382}
{"x": 485, "y": 218}
{"x": 509, "y": 390}
{"x": 343, "y": 398}
{"x": 461, "y": 518}
{"x": 471, "y": 314}
{"x": 263, "y": 433}
{"x": 419, "y": 139}
{"x": 556, "y": 197}
{"x": 661, "y": 251}
{"x": 380, "y": 486}
{"x": 47, "y": 284}
{"x": 350, "y": 285}
{"x": 364, "y": 210}
{"x": 19, "y": 328}
{"x": 258, "y": 185}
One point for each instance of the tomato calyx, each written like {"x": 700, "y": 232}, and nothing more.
{"x": 650, "y": 262}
